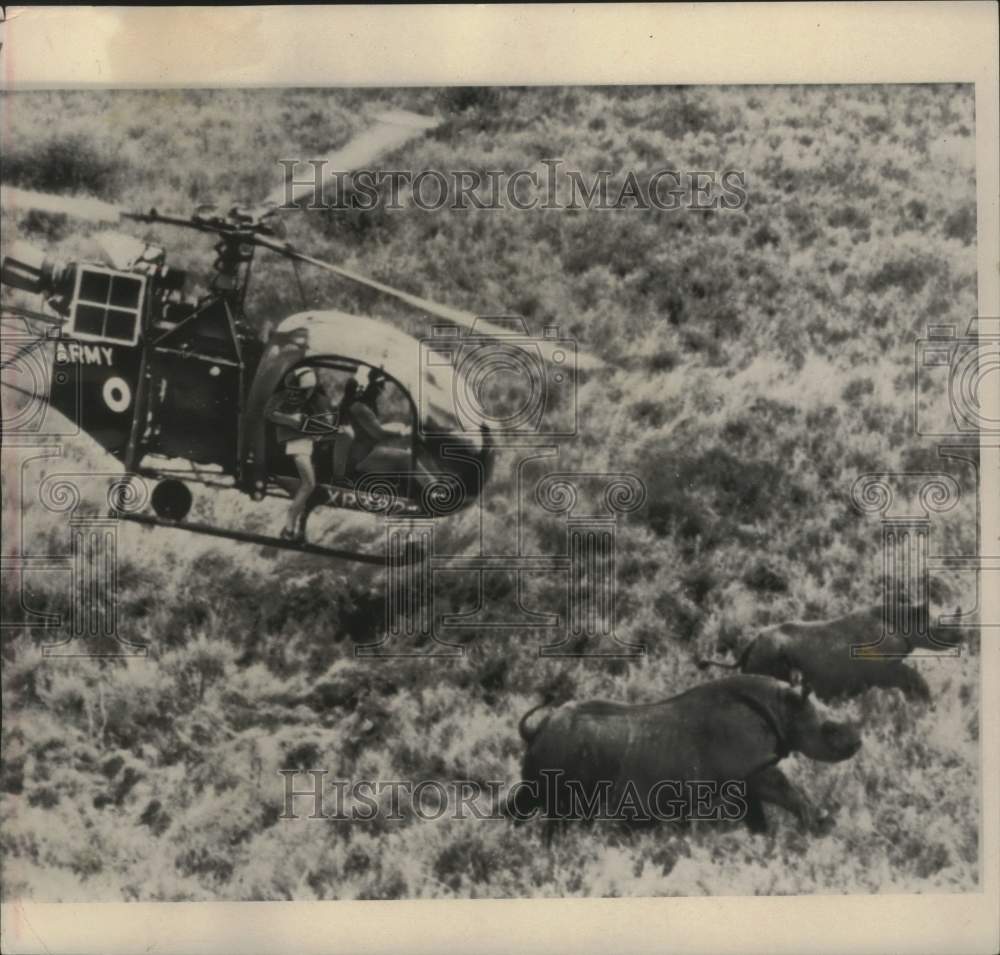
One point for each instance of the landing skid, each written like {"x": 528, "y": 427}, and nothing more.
{"x": 413, "y": 555}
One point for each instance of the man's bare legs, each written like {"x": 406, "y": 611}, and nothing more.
{"x": 306, "y": 485}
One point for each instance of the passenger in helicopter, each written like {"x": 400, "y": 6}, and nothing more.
{"x": 376, "y": 448}
{"x": 300, "y": 402}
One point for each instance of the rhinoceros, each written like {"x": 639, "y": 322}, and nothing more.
{"x": 709, "y": 753}
{"x": 820, "y": 652}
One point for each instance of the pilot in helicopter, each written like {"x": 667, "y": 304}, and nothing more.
{"x": 376, "y": 448}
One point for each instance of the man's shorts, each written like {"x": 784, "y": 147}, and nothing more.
{"x": 299, "y": 446}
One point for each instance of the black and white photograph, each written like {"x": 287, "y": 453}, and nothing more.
{"x": 488, "y": 491}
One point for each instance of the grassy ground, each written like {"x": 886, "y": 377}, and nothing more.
{"x": 762, "y": 360}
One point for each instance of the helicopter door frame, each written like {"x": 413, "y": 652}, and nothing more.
{"x": 132, "y": 457}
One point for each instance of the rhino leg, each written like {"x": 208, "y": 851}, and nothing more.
{"x": 913, "y": 685}
{"x": 756, "y": 818}
{"x": 553, "y": 828}
{"x": 771, "y": 785}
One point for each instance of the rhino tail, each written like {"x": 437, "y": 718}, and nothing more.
{"x": 527, "y": 733}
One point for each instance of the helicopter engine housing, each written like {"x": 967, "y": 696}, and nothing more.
{"x": 29, "y": 269}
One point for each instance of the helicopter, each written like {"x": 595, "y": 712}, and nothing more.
{"x": 176, "y": 388}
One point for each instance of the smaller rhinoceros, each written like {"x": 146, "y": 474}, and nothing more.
{"x": 819, "y": 652}
{"x": 709, "y": 753}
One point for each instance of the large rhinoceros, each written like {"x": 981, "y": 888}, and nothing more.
{"x": 709, "y": 753}
{"x": 820, "y": 652}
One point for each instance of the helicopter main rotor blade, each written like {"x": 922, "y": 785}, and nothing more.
{"x": 391, "y": 130}
{"x": 80, "y": 207}
{"x": 456, "y": 316}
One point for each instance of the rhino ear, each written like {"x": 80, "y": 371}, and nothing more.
{"x": 806, "y": 688}
{"x": 795, "y": 676}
